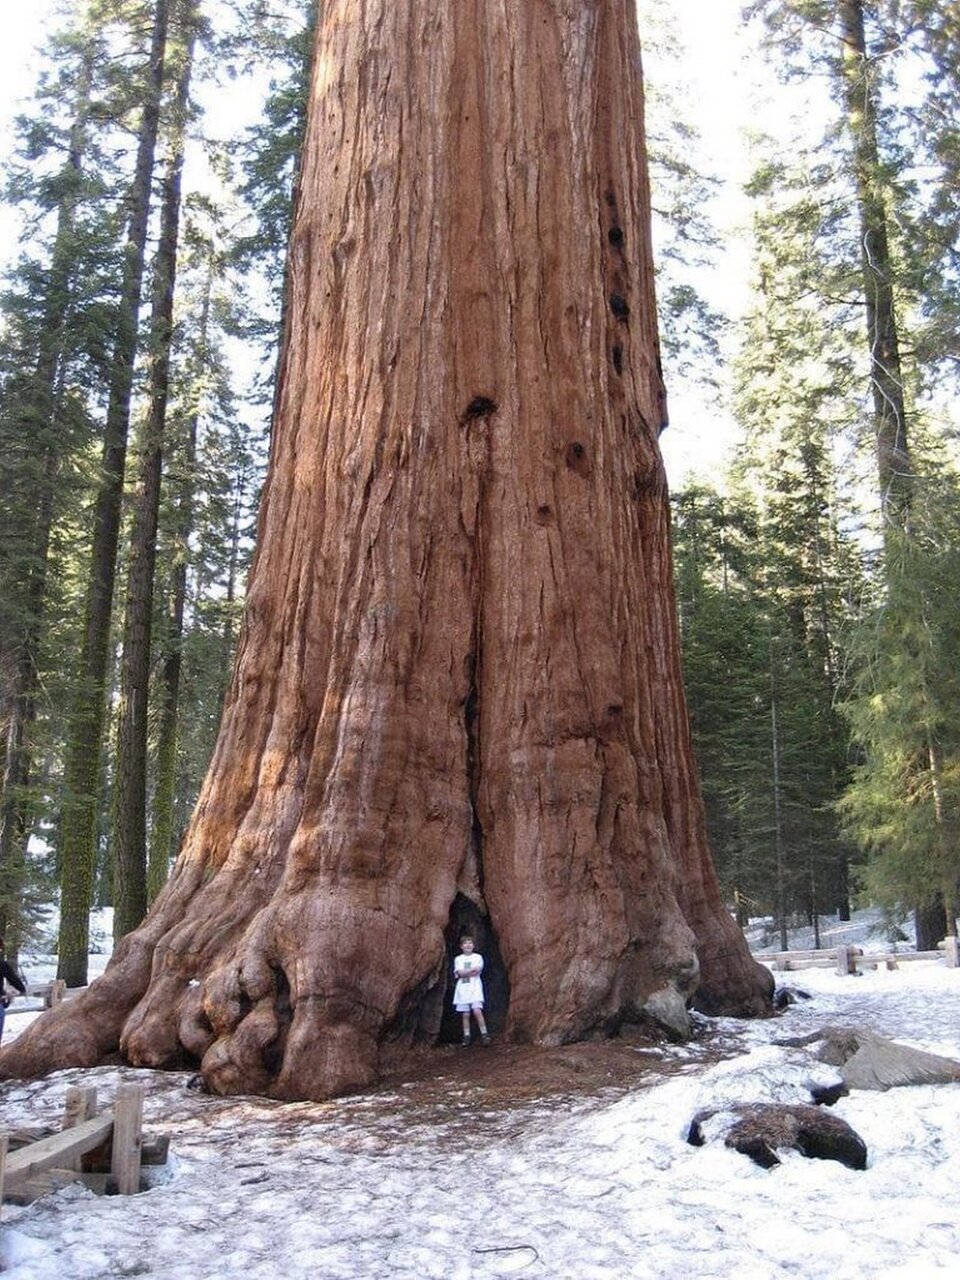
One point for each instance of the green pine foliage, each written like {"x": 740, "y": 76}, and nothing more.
{"x": 903, "y": 806}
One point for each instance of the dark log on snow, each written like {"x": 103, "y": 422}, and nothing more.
{"x": 763, "y": 1130}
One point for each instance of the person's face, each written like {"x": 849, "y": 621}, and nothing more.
{"x": 467, "y": 945}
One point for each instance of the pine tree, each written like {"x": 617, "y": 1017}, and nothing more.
{"x": 55, "y": 309}
{"x": 904, "y": 806}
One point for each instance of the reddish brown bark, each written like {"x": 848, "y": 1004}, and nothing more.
{"x": 458, "y": 692}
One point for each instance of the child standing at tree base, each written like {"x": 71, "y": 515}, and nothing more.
{"x": 468, "y": 993}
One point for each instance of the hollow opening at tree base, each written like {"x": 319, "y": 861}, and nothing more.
{"x": 467, "y": 918}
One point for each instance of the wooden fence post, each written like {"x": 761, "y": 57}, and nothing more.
{"x": 951, "y": 951}
{"x": 127, "y": 1138}
{"x": 58, "y": 989}
{"x": 846, "y": 964}
{"x": 80, "y": 1105}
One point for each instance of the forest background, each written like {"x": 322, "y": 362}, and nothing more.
{"x": 805, "y": 158}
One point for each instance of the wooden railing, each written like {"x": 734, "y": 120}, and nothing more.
{"x": 848, "y": 959}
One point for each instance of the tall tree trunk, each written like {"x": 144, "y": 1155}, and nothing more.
{"x": 171, "y": 663}
{"x": 41, "y": 410}
{"x": 777, "y": 807}
{"x": 890, "y": 419}
{"x": 130, "y": 784}
{"x": 946, "y": 840}
{"x": 458, "y": 689}
{"x": 85, "y": 730}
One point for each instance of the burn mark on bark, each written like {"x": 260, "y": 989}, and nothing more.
{"x": 544, "y": 514}
{"x": 273, "y": 1053}
{"x": 615, "y": 236}
{"x": 577, "y": 458}
{"x": 471, "y": 726}
{"x": 620, "y": 307}
{"x": 611, "y": 726}
{"x": 616, "y": 355}
{"x": 479, "y": 407}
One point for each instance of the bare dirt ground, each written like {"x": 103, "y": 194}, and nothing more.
{"x": 435, "y": 1084}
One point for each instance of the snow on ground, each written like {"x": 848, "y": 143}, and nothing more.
{"x": 577, "y": 1188}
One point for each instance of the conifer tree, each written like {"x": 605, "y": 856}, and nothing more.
{"x": 54, "y": 311}
{"x": 458, "y": 691}
{"x": 904, "y": 806}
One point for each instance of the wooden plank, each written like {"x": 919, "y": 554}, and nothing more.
{"x": 894, "y": 958}
{"x": 58, "y": 1150}
{"x": 80, "y": 1105}
{"x": 24, "y": 1134}
{"x": 813, "y": 953}
{"x": 52, "y": 1180}
{"x": 42, "y": 1184}
{"x": 127, "y": 1138}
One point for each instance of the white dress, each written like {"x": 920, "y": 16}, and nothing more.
{"x": 468, "y": 992}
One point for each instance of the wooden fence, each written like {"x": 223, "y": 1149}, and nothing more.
{"x": 105, "y": 1151}
{"x": 849, "y": 960}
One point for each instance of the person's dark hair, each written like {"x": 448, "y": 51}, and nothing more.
{"x": 467, "y": 937}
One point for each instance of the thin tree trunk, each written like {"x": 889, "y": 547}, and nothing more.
{"x": 130, "y": 784}
{"x": 946, "y": 837}
{"x": 161, "y": 834}
{"x": 777, "y": 809}
{"x": 85, "y": 729}
{"x": 458, "y": 692}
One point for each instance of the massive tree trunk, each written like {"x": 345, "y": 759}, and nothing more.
{"x": 457, "y": 696}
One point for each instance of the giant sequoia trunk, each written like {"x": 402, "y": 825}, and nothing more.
{"x": 457, "y": 696}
